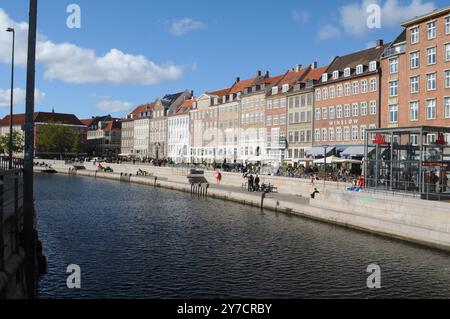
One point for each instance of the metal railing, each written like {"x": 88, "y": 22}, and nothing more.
{"x": 17, "y": 163}
{"x": 429, "y": 191}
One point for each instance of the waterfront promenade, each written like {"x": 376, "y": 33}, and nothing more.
{"x": 406, "y": 218}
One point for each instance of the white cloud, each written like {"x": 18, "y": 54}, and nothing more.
{"x": 114, "y": 106}
{"x": 301, "y": 16}
{"x": 19, "y": 97}
{"x": 353, "y": 17}
{"x": 72, "y": 64}
{"x": 328, "y": 31}
{"x": 183, "y": 26}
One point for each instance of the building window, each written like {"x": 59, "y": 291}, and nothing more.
{"x": 355, "y": 88}
{"x": 393, "y": 113}
{"x": 346, "y": 72}
{"x": 347, "y": 89}
{"x": 269, "y": 120}
{"x": 364, "y": 86}
{"x": 324, "y": 135}
{"x": 414, "y": 58}
{"x": 373, "y": 66}
{"x": 317, "y": 135}
{"x": 414, "y": 84}
{"x": 373, "y": 107}
{"x": 276, "y": 104}
{"x": 339, "y": 90}
{"x": 331, "y": 92}
{"x": 275, "y": 120}
{"x": 431, "y": 56}
{"x": 331, "y": 133}
{"x": 285, "y": 88}
{"x": 346, "y": 133}
{"x": 393, "y": 66}
{"x": 269, "y": 104}
{"x": 414, "y": 111}
{"x": 283, "y": 103}
{"x": 275, "y": 90}
{"x": 393, "y": 88}
{"x": 373, "y": 85}
{"x": 335, "y": 75}
{"x": 359, "y": 69}
{"x": 338, "y": 134}
{"x": 355, "y": 110}
{"x": 331, "y": 112}
{"x": 414, "y": 37}
{"x": 447, "y": 79}
{"x": 324, "y": 113}
{"x": 324, "y": 77}
{"x": 447, "y": 25}
{"x": 431, "y": 109}
{"x": 283, "y": 119}
{"x": 325, "y": 94}
{"x": 431, "y": 82}
{"x": 447, "y": 52}
{"x": 355, "y": 133}
{"x": 318, "y": 95}
{"x": 431, "y": 30}
{"x": 363, "y": 108}
{"x": 317, "y": 115}
{"x": 363, "y": 132}
{"x": 347, "y": 110}
{"x": 338, "y": 111}
{"x": 447, "y": 107}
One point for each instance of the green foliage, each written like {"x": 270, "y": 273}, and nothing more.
{"x": 18, "y": 142}
{"x": 59, "y": 139}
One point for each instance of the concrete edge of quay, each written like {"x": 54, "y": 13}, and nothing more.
{"x": 429, "y": 235}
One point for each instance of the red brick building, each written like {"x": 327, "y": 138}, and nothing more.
{"x": 416, "y": 74}
{"x": 347, "y": 102}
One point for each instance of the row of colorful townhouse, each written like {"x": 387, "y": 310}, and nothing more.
{"x": 295, "y": 116}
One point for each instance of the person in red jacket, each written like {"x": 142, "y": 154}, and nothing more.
{"x": 218, "y": 176}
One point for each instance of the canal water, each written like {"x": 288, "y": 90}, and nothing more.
{"x": 133, "y": 241}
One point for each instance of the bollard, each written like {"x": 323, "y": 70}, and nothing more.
{"x": 263, "y": 196}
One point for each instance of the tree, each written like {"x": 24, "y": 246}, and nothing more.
{"x": 58, "y": 139}
{"x": 18, "y": 142}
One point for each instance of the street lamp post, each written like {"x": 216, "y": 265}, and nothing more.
{"x": 11, "y": 146}
{"x": 325, "y": 148}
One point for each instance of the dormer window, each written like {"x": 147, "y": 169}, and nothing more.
{"x": 238, "y": 96}
{"x": 216, "y": 101}
{"x": 231, "y": 98}
{"x": 224, "y": 99}
{"x": 346, "y": 72}
{"x": 335, "y": 75}
{"x": 275, "y": 90}
{"x": 373, "y": 66}
{"x": 359, "y": 69}
{"x": 324, "y": 77}
{"x": 285, "y": 88}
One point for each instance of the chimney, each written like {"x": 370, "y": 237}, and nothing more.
{"x": 259, "y": 73}
{"x": 192, "y": 93}
{"x": 379, "y": 43}
{"x": 238, "y": 79}
{"x": 298, "y": 67}
{"x": 314, "y": 65}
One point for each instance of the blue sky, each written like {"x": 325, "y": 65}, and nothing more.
{"x": 175, "y": 45}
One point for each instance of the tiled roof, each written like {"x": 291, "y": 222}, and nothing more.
{"x": 142, "y": 108}
{"x": 241, "y": 85}
{"x": 219, "y": 93}
{"x": 185, "y": 107}
{"x": 44, "y": 117}
{"x": 352, "y": 60}
{"x": 87, "y": 122}
{"x": 425, "y": 17}
{"x": 316, "y": 74}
